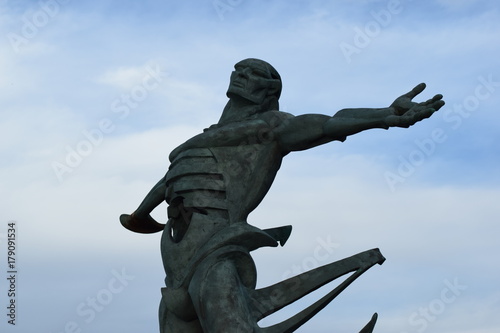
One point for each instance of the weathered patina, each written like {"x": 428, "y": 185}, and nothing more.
{"x": 218, "y": 177}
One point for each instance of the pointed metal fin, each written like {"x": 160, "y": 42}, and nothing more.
{"x": 268, "y": 300}
{"x": 371, "y": 324}
{"x": 281, "y": 234}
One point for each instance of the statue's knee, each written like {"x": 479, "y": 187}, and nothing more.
{"x": 178, "y": 302}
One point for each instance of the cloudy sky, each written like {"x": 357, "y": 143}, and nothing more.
{"x": 95, "y": 95}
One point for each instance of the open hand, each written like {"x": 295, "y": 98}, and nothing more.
{"x": 406, "y": 112}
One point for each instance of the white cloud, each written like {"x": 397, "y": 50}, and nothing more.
{"x": 337, "y": 193}
{"x": 123, "y": 77}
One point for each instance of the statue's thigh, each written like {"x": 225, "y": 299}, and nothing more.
{"x": 220, "y": 299}
{"x": 170, "y": 323}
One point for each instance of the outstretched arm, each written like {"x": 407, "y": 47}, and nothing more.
{"x": 311, "y": 130}
{"x": 403, "y": 112}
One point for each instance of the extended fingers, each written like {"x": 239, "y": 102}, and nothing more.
{"x": 415, "y": 91}
{"x": 435, "y": 102}
{"x": 436, "y": 98}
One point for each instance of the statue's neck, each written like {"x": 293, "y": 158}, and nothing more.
{"x": 238, "y": 110}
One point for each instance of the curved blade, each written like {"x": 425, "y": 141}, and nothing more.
{"x": 142, "y": 226}
{"x": 268, "y": 300}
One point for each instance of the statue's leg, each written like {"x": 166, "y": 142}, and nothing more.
{"x": 170, "y": 323}
{"x": 220, "y": 299}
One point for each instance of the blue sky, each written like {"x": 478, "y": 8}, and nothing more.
{"x": 96, "y": 95}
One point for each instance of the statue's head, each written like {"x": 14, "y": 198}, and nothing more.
{"x": 256, "y": 81}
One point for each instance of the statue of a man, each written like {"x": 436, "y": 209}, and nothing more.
{"x": 219, "y": 176}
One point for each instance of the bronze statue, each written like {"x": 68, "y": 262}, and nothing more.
{"x": 218, "y": 177}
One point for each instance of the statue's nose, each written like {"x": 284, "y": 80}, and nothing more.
{"x": 244, "y": 72}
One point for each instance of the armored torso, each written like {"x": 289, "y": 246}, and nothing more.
{"x": 211, "y": 187}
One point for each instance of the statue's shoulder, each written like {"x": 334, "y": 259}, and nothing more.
{"x": 275, "y": 118}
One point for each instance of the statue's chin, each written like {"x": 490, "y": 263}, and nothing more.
{"x": 237, "y": 93}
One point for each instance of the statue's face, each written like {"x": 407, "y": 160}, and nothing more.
{"x": 251, "y": 79}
